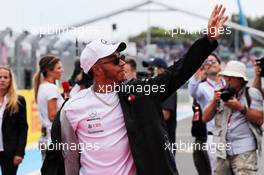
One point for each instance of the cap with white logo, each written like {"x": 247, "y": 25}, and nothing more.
{"x": 97, "y": 49}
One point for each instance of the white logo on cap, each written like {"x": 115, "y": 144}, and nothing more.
{"x": 107, "y": 42}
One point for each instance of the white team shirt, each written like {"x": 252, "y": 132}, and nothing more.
{"x": 101, "y": 128}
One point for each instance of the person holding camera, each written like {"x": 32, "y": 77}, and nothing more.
{"x": 238, "y": 115}
{"x": 257, "y": 81}
{"x": 203, "y": 92}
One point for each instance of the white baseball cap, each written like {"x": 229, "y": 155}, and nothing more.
{"x": 235, "y": 69}
{"x": 97, "y": 49}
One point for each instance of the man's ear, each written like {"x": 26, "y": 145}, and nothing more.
{"x": 97, "y": 70}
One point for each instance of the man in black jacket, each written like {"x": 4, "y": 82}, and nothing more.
{"x": 122, "y": 123}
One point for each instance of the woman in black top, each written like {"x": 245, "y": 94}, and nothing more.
{"x": 13, "y": 123}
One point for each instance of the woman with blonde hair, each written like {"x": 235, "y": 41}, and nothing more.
{"x": 47, "y": 95}
{"x": 13, "y": 123}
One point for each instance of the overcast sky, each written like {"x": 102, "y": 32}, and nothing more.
{"x": 35, "y": 15}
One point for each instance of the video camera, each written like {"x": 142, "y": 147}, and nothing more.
{"x": 260, "y": 62}
{"x": 227, "y": 93}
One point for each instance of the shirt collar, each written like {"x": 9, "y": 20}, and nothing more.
{"x": 215, "y": 84}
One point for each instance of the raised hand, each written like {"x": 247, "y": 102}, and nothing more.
{"x": 216, "y": 22}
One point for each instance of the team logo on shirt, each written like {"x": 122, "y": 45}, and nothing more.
{"x": 94, "y": 123}
{"x": 92, "y": 114}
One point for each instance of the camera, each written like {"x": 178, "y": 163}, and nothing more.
{"x": 260, "y": 62}
{"x": 227, "y": 93}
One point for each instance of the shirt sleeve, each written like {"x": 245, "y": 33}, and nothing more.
{"x": 194, "y": 89}
{"x": 53, "y": 92}
{"x": 256, "y": 99}
{"x": 73, "y": 120}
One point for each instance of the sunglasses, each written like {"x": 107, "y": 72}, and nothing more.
{"x": 209, "y": 62}
{"x": 116, "y": 59}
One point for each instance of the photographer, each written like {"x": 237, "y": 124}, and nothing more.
{"x": 238, "y": 115}
{"x": 257, "y": 81}
{"x": 202, "y": 90}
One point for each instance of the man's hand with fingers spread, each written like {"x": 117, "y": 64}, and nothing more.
{"x": 216, "y": 22}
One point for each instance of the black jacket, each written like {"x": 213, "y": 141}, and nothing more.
{"x": 143, "y": 114}
{"x": 14, "y": 129}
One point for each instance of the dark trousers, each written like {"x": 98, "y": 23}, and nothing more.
{"x": 7, "y": 166}
{"x": 200, "y": 158}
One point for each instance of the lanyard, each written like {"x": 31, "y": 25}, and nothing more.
{"x": 212, "y": 86}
